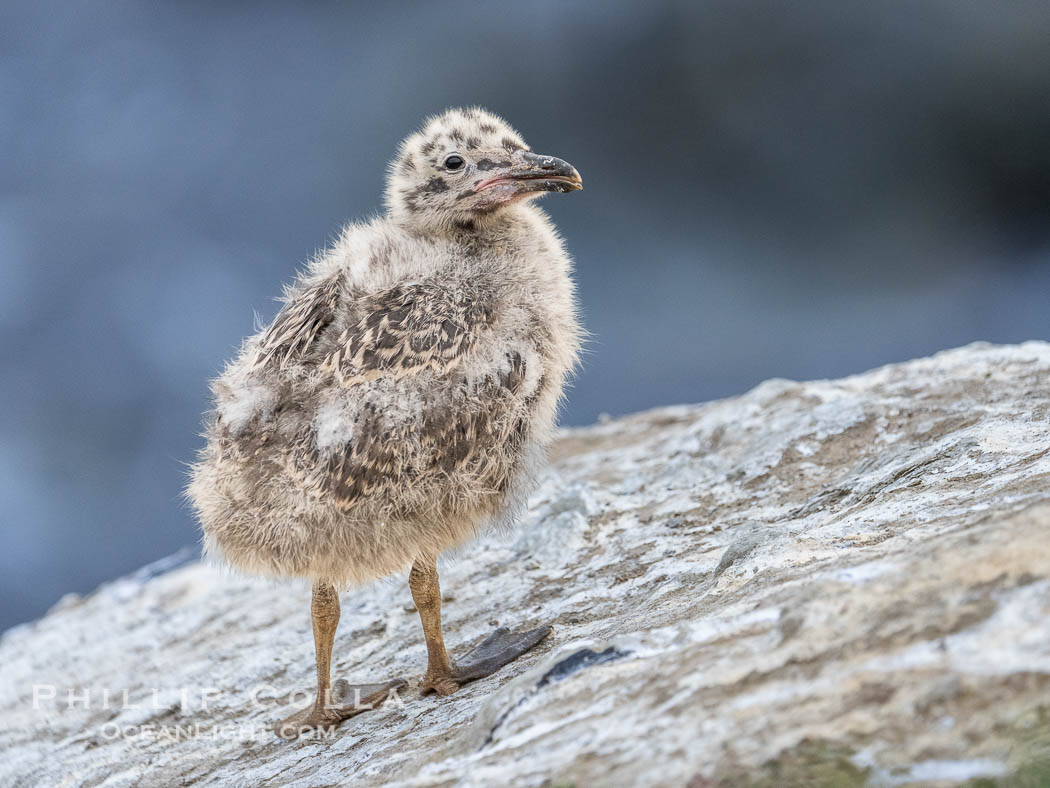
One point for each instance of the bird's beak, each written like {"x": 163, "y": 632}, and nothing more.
{"x": 530, "y": 172}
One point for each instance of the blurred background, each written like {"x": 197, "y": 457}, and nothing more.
{"x": 772, "y": 189}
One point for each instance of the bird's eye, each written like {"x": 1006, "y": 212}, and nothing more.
{"x": 454, "y": 161}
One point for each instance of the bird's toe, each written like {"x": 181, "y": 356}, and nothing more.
{"x": 442, "y": 685}
{"x": 347, "y": 700}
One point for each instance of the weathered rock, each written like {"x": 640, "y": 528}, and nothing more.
{"x": 830, "y": 582}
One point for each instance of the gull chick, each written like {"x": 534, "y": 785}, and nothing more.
{"x": 403, "y": 398}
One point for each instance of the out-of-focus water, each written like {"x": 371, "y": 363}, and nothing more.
{"x": 772, "y": 189}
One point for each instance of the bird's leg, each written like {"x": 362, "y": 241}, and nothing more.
{"x": 334, "y": 703}
{"x": 426, "y": 593}
{"x": 444, "y": 676}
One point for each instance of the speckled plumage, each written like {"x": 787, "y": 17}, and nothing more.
{"x": 404, "y": 395}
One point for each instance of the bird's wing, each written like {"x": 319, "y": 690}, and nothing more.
{"x": 400, "y": 331}
{"x": 406, "y": 330}
{"x": 419, "y": 333}
{"x": 305, "y": 315}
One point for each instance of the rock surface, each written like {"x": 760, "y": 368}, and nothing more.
{"x": 837, "y": 582}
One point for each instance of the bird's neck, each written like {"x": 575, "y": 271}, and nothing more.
{"x": 500, "y": 226}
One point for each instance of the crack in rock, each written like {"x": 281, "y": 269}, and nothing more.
{"x": 562, "y": 669}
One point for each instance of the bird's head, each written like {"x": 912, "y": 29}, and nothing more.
{"x": 463, "y": 168}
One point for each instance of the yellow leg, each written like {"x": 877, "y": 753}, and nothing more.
{"x": 331, "y": 705}
{"x": 444, "y": 676}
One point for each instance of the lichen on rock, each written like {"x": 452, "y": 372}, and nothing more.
{"x": 843, "y": 580}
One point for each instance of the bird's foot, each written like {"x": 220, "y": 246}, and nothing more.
{"x": 491, "y": 654}
{"x": 347, "y": 700}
